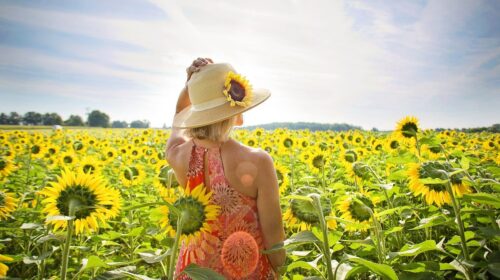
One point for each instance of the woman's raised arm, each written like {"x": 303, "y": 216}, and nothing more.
{"x": 176, "y": 136}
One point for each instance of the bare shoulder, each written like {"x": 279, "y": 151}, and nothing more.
{"x": 255, "y": 155}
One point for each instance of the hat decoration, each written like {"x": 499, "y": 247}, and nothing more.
{"x": 237, "y": 90}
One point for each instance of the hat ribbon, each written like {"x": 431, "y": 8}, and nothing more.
{"x": 209, "y": 104}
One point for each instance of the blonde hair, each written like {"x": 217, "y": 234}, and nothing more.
{"x": 216, "y": 132}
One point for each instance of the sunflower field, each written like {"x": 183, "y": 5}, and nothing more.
{"x": 104, "y": 204}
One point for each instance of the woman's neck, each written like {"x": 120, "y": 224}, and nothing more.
{"x": 209, "y": 143}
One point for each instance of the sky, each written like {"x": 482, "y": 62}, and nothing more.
{"x": 365, "y": 63}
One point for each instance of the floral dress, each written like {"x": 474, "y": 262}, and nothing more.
{"x": 238, "y": 212}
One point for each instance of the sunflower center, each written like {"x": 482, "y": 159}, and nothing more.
{"x": 130, "y": 173}
{"x": 435, "y": 149}
{"x": 35, "y": 149}
{"x": 77, "y": 145}
{"x": 237, "y": 91}
{"x": 86, "y": 199}
{"x": 163, "y": 176}
{"x": 110, "y": 154}
{"x": 288, "y": 142}
{"x": 52, "y": 151}
{"x": 280, "y": 176}
{"x": 2, "y": 199}
{"x": 359, "y": 210}
{"x": 394, "y": 144}
{"x": 318, "y": 161}
{"x": 350, "y": 156}
{"x": 68, "y": 159}
{"x": 195, "y": 211}
{"x": 251, "y": 143}
{"x": 432, "y": 169}
{"x": 3, "y": 163}
{"x": 88, "y": 168}
{"x": 409, "y": 129}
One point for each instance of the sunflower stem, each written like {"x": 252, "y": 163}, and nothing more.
{"x": 173, "y": 254}
{"x": 418, "y": 144}
{"x": 65, "y": 256}
{"x": 326, "y": 246}
{"x": 456, "y": 209}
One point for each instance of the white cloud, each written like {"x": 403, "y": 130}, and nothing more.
{"x": 319, "y": 66}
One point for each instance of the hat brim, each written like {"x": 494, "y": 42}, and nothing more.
{"x": 188, "y": 118}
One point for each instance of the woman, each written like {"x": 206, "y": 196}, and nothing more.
{"x": 242, "y": 179}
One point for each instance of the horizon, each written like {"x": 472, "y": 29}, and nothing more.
{"x": 364, "y": 64}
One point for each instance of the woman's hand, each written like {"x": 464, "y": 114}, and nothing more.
{"x": 197, "y": 65}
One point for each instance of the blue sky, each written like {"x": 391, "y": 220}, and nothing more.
{"x": 367, "y": 63}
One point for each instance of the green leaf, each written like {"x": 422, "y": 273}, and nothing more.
{"x": 153, "y": 258}
{"x": 416, "y": 249}
{"x": 342, "y": 270}
{"x": 433, "y": 181}
{"x": 380, "y": 269}
{"x": 92, "y": 262}
{"x": 398, "y": 175}
{"x": 201, "y": 273}
{"x": 494, "y": 269}
{"x": 483, "y": 198}
{"x": 299, "y": 197}
{"x": 465, "y": 163}
{"x": 432, "y": 221}
{"x": 301, "y": 237}
{"x": 392, "y": 210}
{"x": 416, "y": 267}
{"x": 58, "y": 218}
{"x": 30, "y": 226}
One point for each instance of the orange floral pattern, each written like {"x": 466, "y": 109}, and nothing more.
{"x": 238, "y": 213}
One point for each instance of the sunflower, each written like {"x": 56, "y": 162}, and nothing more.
{"x": 407, "y": 128}
{"x": 6, "y": 167}
{"x": 109, "y": 154}
{"x": 37, "y": 150}
{"x": 354, "y": 209}
{"x": 349, "y": 155}
{"x": 237, "y": 90}
{"x": 356, "y": 171}
{"x": 4, "y": 268}
{"x": 317, "y": 160}
{"x": 94, "y": 201}
{"x": 7, "y": 205}
{"x": 165, "y": 181}
{"x": 68, "y": 159}
{"x": 89, "y": 165}
{"x": 392, "y": 143}
{"x": 435, "y": 193}
{"x": 198, "y": 210}
{"x": 282, "y": 173}
{"x": 132, "y": 175}
{"x": 302, "y": 215}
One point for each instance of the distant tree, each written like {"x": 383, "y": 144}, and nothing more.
{"x": 97, "y": 118}
{"x": 495, "y": 128}
{"x": 139, "y": 124}
{"x": 51, "y": 119}
{"x": 32, "y": 118}
{"x": 4, "y": 118}
{"x": 74, "y": 120}
{"x": 14, "y": 118}
{"x": 119, "y": 124}
{"x": 375, "y": 129}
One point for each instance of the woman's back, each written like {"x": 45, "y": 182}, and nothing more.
{"x": 230, "y": 171}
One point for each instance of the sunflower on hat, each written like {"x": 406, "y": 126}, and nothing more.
{"x": 237, "y": 90}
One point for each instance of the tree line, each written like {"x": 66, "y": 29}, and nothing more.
{"x": 95, "y": 118}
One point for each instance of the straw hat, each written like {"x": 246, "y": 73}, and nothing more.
{"x": 217, "y": 92}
